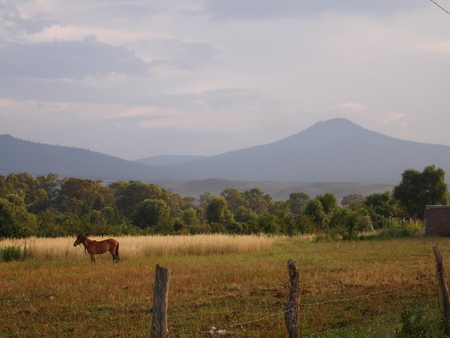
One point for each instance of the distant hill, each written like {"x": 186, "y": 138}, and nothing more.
{"x": 279, "y": 191}
{"x": 41, "y": 159}
{"x": 168, "y": 159}
{"x": 336, "y": 150}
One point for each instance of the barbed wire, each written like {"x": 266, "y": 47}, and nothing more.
{"x": 380, "y": 319}
{"x": 369, "y": 294}
{"x": 242, "y": 324}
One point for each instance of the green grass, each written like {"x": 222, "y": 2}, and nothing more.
{"x": 13, "y": 253}
{"x": 244, "y": 293}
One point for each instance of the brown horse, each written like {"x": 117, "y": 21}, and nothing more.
{"x": 96, "y": 248}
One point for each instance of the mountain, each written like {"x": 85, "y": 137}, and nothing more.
{"x": 336, "y": 150}
{"x": 168, "y": 159}
{"x": 41, "y": 159}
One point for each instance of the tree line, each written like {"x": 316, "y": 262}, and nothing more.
{"x": 50, "y": 206}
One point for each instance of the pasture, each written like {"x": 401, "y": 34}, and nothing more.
{"x": 238, "y": 284}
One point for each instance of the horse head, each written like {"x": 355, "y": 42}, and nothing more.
{"x": 80, "y": 239}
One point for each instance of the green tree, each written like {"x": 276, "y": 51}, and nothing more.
{"x": 419, "y": 189}
{"x": 352, "y": 199}
{"x": 301, "y": 223}
{"x": 269, "y": 224}
{"x": 346, "y": 220}
{"x": 15, "y": 221}
{"x": 329, "y": 202}
{"x": 381, "y": 205}
{"x": 314, "y": 209}
{"x": 152, "y": 213}
{"x": 189, "y": 202}
{"x": 175, "y": 203}
{"x": 189, "y": 218}
{"x": 217, "y": 211}
{"x": 81, "y": 196}
{"x": 258, "y": 201}
{"x": 234, "y": 199}
{"x": 298, "y": 202}
{"x": 24, "y": 185}
{"x": 244, "y": 214}
{"x": 129, "y": 195}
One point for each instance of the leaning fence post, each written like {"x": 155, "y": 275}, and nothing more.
{"x": 291, "y": 313}
{"x": 159, "y": 327}
{"x": 444, "y": 289}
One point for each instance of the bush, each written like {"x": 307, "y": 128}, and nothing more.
{"x": 391, "y": 233}
{"x": 13, "y": 253}
{"x": 415, "y": 324}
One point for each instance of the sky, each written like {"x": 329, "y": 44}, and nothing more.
{"x": 141, "y": 78}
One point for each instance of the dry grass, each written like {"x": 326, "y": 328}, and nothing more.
{"x": 132, "y": 247}
{"x": 69, "y": 297}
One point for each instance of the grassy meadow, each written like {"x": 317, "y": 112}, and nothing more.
{"x": 239, "y": 284}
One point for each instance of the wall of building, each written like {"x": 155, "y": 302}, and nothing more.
{"x": 437, "y": 220}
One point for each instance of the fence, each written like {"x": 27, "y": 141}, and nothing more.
{"x": 159, "y": 327}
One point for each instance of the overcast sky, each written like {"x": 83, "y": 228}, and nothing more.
{"x": 139, "y": 78}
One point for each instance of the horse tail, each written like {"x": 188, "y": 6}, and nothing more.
{"x": 117, "y": 252}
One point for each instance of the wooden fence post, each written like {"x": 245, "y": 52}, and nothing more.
{"x": 291, "y": 313}
{"x": 159, "y": 327}
{"x": 444, "y": 289}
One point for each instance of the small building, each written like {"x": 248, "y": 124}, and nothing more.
{"x": 437, "y": 220}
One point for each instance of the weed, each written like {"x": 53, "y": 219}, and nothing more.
{"x": 416, "y": 324}
{"x": 14, "y": 253}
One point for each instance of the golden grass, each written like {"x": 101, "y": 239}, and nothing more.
{"x": 132, "y": 246}
{"x": 69, "y": 297}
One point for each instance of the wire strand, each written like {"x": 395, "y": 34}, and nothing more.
{"x": 440, "y": 7}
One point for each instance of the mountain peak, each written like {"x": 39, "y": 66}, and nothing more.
{"x": 336, "y": 123}
{"x": 335, "y": 150}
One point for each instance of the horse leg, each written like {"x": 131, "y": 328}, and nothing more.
{"x": 117, "y": 253}
{"x": 92, "y": 258}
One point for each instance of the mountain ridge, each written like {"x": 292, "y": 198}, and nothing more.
{"x": 335, "y": 150}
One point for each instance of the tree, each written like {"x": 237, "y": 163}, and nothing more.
{"x": 257, "y": 201}
{"x": 299, "y": 200}
{"x": 244, "y": 214}
{"x": 15, "y": 221}
{"x": 314, "y": 209}
{"x": 129, "y": 195}
{"x": 217, "y": 211}
{"x": 352, "y": 199}
{"x": 81, "y": 196}
{"x": 417, "y": 190}
{"x": 346, "y": 221}
{"x": 234, "y": 199}
{"x": 189, "y": 202}
{"x": 189, "y": 218}
{"x": 381, "y": 205}
{"x": 329, "y": 202}
{"x": 152, "y": 213}
{"x": 24, "y": 185}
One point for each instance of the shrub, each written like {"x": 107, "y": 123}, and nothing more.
{"x": 13, "y": 253}
{"x": 390, "y": 233}
{"x": 415, "y": 324}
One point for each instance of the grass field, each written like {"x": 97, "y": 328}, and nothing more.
{"x": 238, "y": 284}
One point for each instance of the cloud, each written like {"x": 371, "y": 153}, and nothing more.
{"x": 394, "y": 117}
{"x": 14, "y": 23}
{"x": 133, "y": 11}
{"x": 184, "y": 54}
{"x": 349, "y": 105}
{"x": 265, "y": 9}
{"x": 69, "y": 59}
